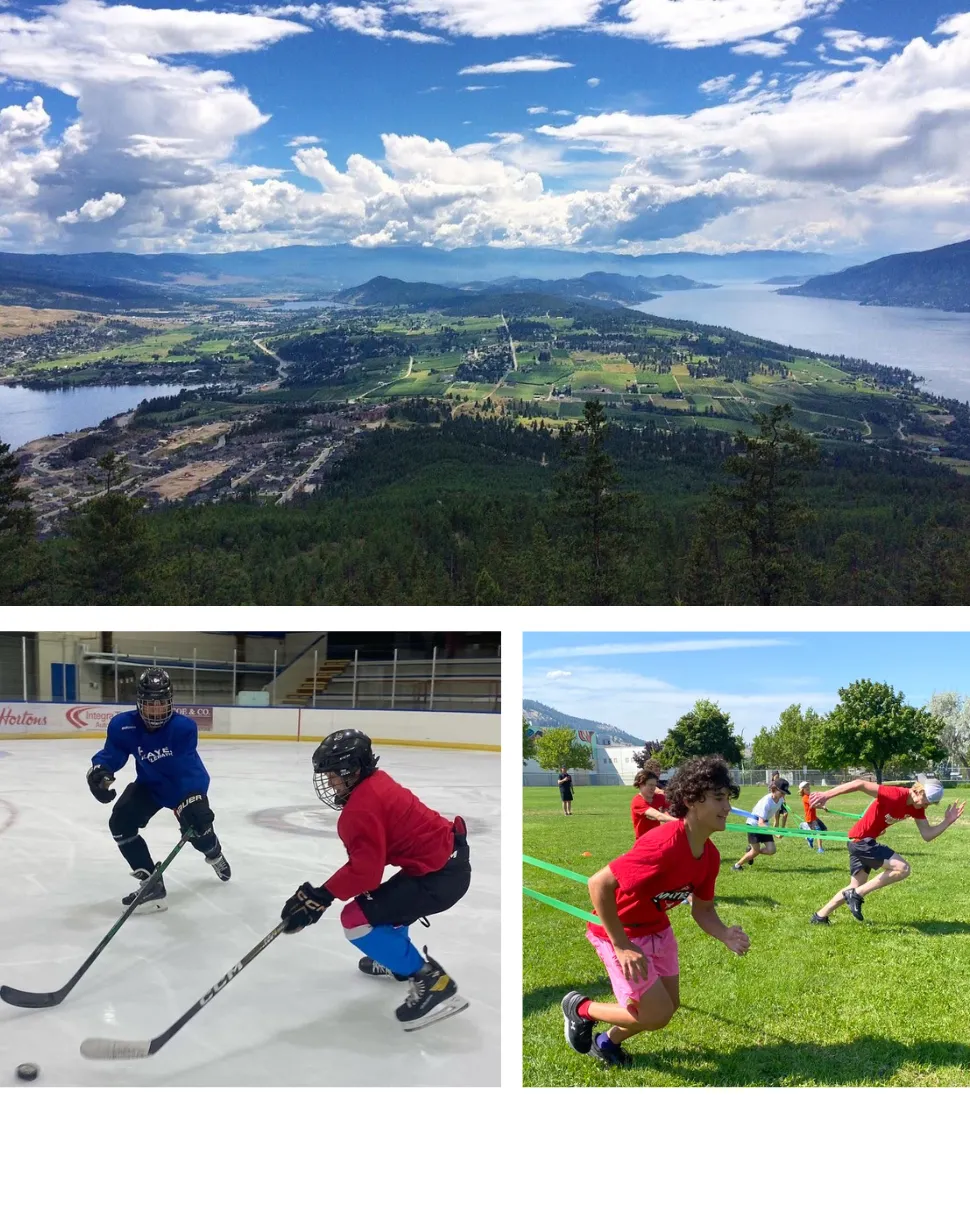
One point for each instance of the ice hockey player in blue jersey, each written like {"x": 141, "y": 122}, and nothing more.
{"x": 169, "y": 774}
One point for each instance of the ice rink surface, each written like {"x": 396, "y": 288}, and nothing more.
{"x": 300, "y": 1014}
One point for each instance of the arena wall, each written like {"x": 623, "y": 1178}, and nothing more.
{"x": 437, "y": 729}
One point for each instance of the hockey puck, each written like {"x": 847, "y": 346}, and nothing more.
{"x": 27, "y": 1073}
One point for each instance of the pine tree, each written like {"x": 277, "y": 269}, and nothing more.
{"x": 16, "y": 529}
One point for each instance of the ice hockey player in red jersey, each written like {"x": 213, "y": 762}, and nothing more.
{"x": 382, "y": 824}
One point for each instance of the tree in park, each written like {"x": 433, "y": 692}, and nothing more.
{"x": 110, "y": 558}
{"x": 953, "y": 712}
{"x": 872, "y": 727}
{"x": 748, "y": 545}
{"x": 704, "y": 730}
{"x": 646, "y": 758}
{"x": 789, "y": 743}
{"x": 559, "y": 747}
{"x": 528, "y": 741}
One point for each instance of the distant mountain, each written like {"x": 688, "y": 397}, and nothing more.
{"x": 599, "y": 287}
{"x": 542, "y": 716}
{"x": 784, "y": 280}
{"x": 939, "y": 277}
{"x": 487, "y": 300}
{"x": 322, "y": 268}
{"x": 49, "y": 281}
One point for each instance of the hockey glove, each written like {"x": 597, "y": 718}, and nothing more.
{"x": 305, "y": 907}
{"x": 100, "y": 779}
{"x": 194, "y": 813}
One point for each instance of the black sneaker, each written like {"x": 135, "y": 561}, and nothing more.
{"x": 153, "y": 901}
{"x": 854, "y": 901}
{"x": 578, "y": 1031}
{"x": 818, "y": 920}
{"x": 371, "y": 967}
{"x": 737, "y": 867}
{"x": 220, "y": 866}
{"x": 609, "y": 1053}
{"x": 433, "y": 996}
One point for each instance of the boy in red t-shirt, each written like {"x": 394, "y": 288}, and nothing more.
{"x": 631, "y": 896}
{"x": 648, "y": 808}
{"x": 891, "y": 805}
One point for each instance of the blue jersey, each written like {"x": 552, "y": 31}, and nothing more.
{"x": 167, "y": 761}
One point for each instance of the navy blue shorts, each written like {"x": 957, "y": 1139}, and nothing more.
{"x": 759, "y": 839}
{"x": 868, "y": 855}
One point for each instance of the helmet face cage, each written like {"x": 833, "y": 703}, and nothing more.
{"x": 154, "y": 690}
{"x": 348, "y": 754}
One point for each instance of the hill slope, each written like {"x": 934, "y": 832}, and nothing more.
{"x": 939, "y": 277}
{"x": 542, "y": 716}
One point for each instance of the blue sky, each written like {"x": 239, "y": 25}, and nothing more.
{"x": 639, "y": 126}
{"x": 643, "y": 683}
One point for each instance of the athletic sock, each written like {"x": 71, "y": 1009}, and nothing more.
{"x": 136, "y": 854}
{"x": 583, "y": 1009}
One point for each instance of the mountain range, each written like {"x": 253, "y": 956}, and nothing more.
{"x": 540, "y": 715}
{"x": 938, "y": 277}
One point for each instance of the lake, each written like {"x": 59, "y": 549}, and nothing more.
{"x": 26, "y": 413}
{"x": 934, "y": 344}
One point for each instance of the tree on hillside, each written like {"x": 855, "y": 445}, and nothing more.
{"x": 871, "y": 726}
{"x": 559, "y": 747}
{"x": 110, "y": 559}
{"x": 16, "y": 527}
{"x": 593, "y": 507}
{"x": 749, "y": 540}
{"x": 702, "y": 731}
{"x": 953, "y": 711}
{"x": 789, "y": 743}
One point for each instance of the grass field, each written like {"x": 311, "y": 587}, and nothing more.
{"x": 877, "y": 1003}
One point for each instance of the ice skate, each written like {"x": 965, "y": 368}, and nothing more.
{"x": 371, "y": 967}
{"x": 220, "y": 866}
{"x": 433, "y": 996}
{"x": 153, "y": 901}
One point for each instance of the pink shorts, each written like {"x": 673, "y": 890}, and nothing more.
{"x": 661, "y": 952}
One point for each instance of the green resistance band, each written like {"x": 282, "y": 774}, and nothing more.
{"x": 802, "y": 833}
{"x": 571, "y": 909}
{"x": 569, "y": 875}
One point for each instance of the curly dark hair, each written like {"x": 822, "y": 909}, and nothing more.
{"x": 644, "y": 775}
{"x": 695, "y": 777}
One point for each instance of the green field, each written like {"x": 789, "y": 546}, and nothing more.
{"x": 854, "y": 1004}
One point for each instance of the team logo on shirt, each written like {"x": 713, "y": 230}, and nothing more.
{"x": 152, "y": 755}
{"x": 662, "y": 899}
{"x": 894, "y": 820}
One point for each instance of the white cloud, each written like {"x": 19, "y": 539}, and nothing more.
{"x": 521, "y": 63}
{"x": 553, "y": 674}
{"x": 716, "y": 84}
{"x": 368, "y": 19}
{"x": 594, "y": 81}
{"x": 848, "y": 41}
{"x": 303, "y": 141}
{"x": 537, "y": 109}
{"x": 693, "y": 23}
{"x": 646, "y": 647}
{"x": 498, "y": 18}
{"x": 95, "y": 210}
{"x": 768, "y": 50}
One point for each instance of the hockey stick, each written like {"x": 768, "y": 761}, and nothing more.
{"x": 35, "y": 1001}
{"x": 123, "y": 1049}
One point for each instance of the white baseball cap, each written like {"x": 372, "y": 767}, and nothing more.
{"x": 934, "y": 790}
{"x": 802, "y": 785}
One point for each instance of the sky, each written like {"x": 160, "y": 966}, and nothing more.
{"x": 643, "y": 683}
{"x": 633, "y": 126}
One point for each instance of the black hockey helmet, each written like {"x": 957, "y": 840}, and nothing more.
{"x": 154, "y": 698}
{"x": 346, "y": 753}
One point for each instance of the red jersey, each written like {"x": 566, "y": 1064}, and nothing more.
{"x": 659, "y": 871}
{"x": 811, "y": 816}
{"x": 888, "y": 808}
{"x": 384, "y": 825}
{"x": 638, "y": 806}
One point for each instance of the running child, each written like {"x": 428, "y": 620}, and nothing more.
{"x": 648, "y": 808}
{"x": 866, "y": 854}
{"x": 631, "y": 896}
{"x": 811, "y": 822}
{"x": 760, "y": 841}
